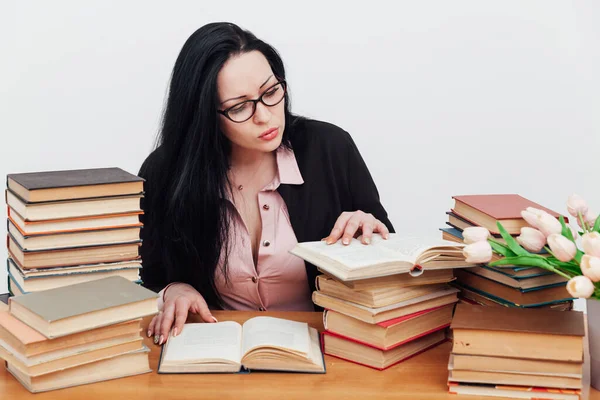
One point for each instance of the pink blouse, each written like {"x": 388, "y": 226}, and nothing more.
{"x": 279, "y": 280}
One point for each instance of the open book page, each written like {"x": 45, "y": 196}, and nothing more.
{"x": 356, "y": 255}
{"x": 381, "y": 251}
{"x": 205, "y": 342}
{"x": 411, "y": 248}
{"x": 275, "y": 332}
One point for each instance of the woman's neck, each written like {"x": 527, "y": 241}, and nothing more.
{"x": 242, "y": 159}
{"x": 253, "y": 169}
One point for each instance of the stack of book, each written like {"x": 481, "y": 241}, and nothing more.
{"x": 67, "y": 227}
{"x": 384, "y": 302}
{"x": 76, "y": 334}
{"x": 511, "y": 285}
{"x": 521, "y": 353}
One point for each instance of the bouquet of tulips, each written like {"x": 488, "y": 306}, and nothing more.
{"x": 580, "y": 267}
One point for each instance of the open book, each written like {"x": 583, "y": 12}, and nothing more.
{"x": 262, "y": 343}
{"x": 382, "y": 257}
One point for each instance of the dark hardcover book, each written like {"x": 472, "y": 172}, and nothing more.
{"x": 73, "y": 184}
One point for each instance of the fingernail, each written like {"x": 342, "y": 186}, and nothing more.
{"x": 149, "y": 333}
{"x": 160, "y": 341}
{"x": 174, "y": 332}
{"x": 367, "y": 240}
{"x": 214, "y": 319}
{"x": 345, "y": 240}
{"x": 387, "y": 235}
{"x": 156, "y": 339}
{"x": 324, "y": 239}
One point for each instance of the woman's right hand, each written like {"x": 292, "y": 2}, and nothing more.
{"x": 179, "y": 299}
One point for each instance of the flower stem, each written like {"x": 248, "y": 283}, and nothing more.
{"x": 559, "y": 272}
{"x": 583, "y": 224}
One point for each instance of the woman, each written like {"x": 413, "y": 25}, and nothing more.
{"x": 237, "y": 181}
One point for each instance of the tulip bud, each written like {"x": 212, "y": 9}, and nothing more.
{"x": 562, "y": 248}
{"x": 548, "y": 224}
{"x": 536, "y": 211}
{"x": 580, "y": 286}
{"x": 530, "y": 218}
{"x": 541, "y": 220}
{"x": 590, "y": 217}
{"x": 531, "y": 239}
{"x": 475, "y": 234}
{"x": 590, "y": 266}
{"x": 591, "y": 243}
{"x": 576, "y": 204}
{"x": 478, "y": 253}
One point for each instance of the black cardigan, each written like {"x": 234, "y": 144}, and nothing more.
{"x": 336, "y": 179}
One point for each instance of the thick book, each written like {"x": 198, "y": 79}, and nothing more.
{"x": 71, "y": 357}
{"x": 28, "y": 342}
{"x": 405, "y": 280}
{"x": 83, "y": 306}
{"x": 380, "y": 297}
{"x": 28, "y": 259}
{"x": 488, "y": 209}
{"x": 476, "y": 297}
{"x": 392, "y": 333}
{"x": 77, "y": 224}
{"x": 515, "y": 365}
{"x": 68, "y": 209}
{"x": 527, "y": 298}
{"x": 261, "y": 343}
{"x": 361, "y": 353}
{"x": 503, "y": 378}
{"x": 396, "y": 255}
{"x": 442, "y": 297}
{"x": 72, "y": 239}
{"x": 74, "y": 184}
{"x": 514, "y": 332}
{"x": 127, "y": 364}
{"x": 36, "y": 280}
{"x": 540, "y": 282}
{"x": 513, "y": 391}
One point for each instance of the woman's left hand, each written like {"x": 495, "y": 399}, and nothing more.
{"x": 348, "y": 224}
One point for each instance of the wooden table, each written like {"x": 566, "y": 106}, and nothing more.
{"x": 422, "y": 377}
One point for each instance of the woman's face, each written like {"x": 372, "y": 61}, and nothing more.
{"x": 246, "y": 77}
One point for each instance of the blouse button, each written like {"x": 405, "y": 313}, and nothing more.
{"x": 266, "y": 207}
{"x": 266, "y": 243}
{"x": 254, "y": 279}
{"x": 262, "y": 309}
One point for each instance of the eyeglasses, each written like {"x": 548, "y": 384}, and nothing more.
{"x": 243, "y": 111}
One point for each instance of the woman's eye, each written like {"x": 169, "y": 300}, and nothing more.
{"x": 271, "y": 92}
{"x": 238, "y": 109}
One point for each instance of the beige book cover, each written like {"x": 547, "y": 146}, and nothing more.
{"x": 75, "y": 308}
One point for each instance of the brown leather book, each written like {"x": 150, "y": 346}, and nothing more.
{"x": 515, "y": 332}
{"x": 74, "y": 184}
{"x": 488, "y": 209}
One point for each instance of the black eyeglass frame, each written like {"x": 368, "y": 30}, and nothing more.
{"x": 255, "y": 102}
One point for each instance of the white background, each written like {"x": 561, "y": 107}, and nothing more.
{"x": 442, "y": 98}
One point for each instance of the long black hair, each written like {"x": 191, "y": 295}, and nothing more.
{"x": 187, "y": 223}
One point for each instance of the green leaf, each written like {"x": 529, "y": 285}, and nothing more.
{"x": 528, "y": 260}
{"x": 597, "y": 225}
{"x": 566, "y": 232}
{"x": 578, "y": 256}
{"x": 501, "y": 248}
{"x": 511, "y": 242}
{"x": 567, "y": 266}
